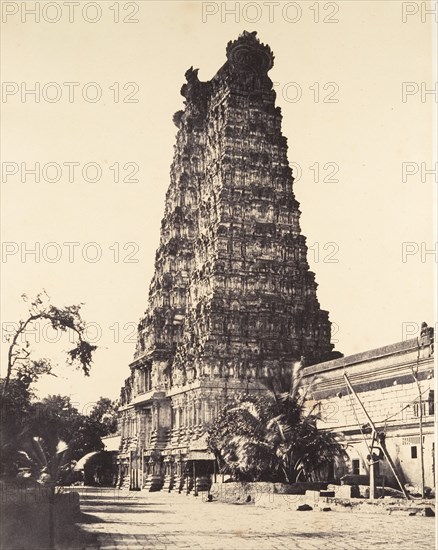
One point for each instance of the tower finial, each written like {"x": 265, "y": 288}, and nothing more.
{"x": 248, "y": 54}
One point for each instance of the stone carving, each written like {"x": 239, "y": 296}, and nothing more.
{"x": 232, "y": 300}
{"x": 247, "y": 54}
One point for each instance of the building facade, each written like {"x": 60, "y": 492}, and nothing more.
{"x": 232, "y": 300}
{"x": 394, "y": 386}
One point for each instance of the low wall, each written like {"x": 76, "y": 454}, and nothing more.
{"x": 320, "y": 497}
{"x": 250, "y": 493}
{"x": 25, "y": 515}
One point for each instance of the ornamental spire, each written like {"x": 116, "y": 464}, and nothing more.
{"x": 248, "y": 54}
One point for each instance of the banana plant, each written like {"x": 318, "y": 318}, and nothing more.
{"x": 46, "y": 460}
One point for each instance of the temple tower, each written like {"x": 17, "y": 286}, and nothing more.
{"x": 232, "y": 300}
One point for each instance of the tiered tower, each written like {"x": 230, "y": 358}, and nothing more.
{"x": 232, "y": 301}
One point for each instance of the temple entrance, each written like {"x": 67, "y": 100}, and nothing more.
{"x": 198, "y": 475}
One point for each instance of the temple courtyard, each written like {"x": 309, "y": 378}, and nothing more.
{"x": 129, "y": 520}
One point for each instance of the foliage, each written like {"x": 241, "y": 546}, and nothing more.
{"x": 105, "y": 413}
{"x": 19, "y": 418}
{"x": 15, "y": 412}
{"x": 47, "y": 465}
{"x": 273, "y": 437}
{"x": 47, "y": 423}
{"x": 55, "y": 419}
{"x": 48, "y": 436}
{"x": 67, "y": 318}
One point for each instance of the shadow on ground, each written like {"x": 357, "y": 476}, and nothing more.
{"x": 89, "y": 518}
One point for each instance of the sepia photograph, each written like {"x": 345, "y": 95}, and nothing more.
{"x": 218, "y": 274}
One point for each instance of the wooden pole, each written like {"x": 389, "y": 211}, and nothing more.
{"x": 372, "y": 478}
{"x": 420, "y": 418}
{"x": 195, "y": 492}
{"x": 372, "y": 468}
{"x": 383, "y": 447}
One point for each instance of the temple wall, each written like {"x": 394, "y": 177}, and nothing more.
{"x": 388, "y": 382}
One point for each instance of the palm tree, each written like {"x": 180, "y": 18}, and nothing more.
{"x": 275, "y": 437}
{"x": 239, "y": 440}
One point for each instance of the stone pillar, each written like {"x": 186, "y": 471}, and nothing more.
{"x": 198, "y": 417}
{"x": 187, "y": 478}
{"x": 185, "y": 413}
{"x": 146, "y": 470}
{"x": 156, "y": 415}
{"x": 154, "y": 480}
{"x": 144, "y": 463}
{"x": 179, "y": 474}
{"x": 141, "y": 470}
{"x": 217, "y": 406}
{"x": 205, "y": 411}
{"x": 169, "y": 474}
{"x": 178, "y": 417}
{"x": 180, "y": 421}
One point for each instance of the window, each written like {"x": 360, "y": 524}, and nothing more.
{"x": 414, "y": 451}
{"x": 148, "y": 379}
{"x": 412, "y": 440}
{"x": 355, "y": 464}
{"x": 431, "y": 402}
{"x": 427, "y": 406}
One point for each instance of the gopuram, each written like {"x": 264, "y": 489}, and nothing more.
{"x": 232, "y": 301}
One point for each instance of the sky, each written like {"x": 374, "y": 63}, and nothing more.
{"x": 352, "y": 80}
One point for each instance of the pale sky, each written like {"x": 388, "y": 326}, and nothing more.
{"x": 361, "y": 220}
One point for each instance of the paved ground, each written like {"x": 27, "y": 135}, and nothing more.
{"x": 112, "y": 519}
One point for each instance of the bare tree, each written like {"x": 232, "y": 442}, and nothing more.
{"x": 64, "y": 319}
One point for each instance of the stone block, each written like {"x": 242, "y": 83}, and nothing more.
{"x": 343, "y": 491}
{"x": 304, "y": 508}
{"x": 312, "y": 496}
{"x": 288, "y": 502}
{"x": 327, "y": 494}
